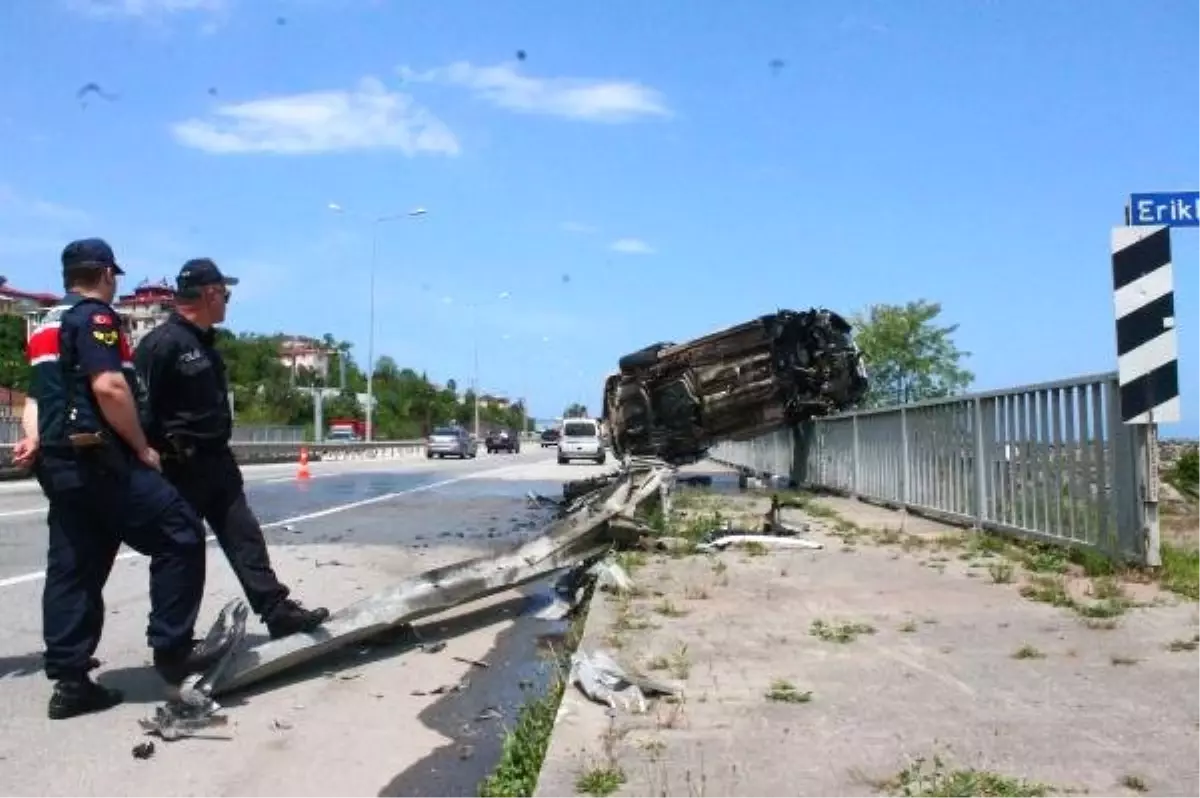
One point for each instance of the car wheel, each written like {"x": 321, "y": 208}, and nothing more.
{"x": 562, "y": 461}
{"x": 600, "y": 460}
{"x": 428, "y": 455}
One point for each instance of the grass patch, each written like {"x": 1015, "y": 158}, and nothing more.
{"x": 1135, "y": 783}
{"x": 935, "y": 778}
{"x": 667, "y": 608}
{"x": 1184, "y": 645}
{"x": 755, "y": 549}
{"x": 600, "y": 781}
{"x": 1181, "y": 570}
{"x": 783, "y": 691}
{"x": 839, "y": 632}
{"x": 1050, "y": 590}
{"x": 524, "y": 746}
{"x": 1001, "y": 572}
{"x": 1119, "y": 659}
{"x": 908, "y": 627}
{"x": 1028, "y": 652}
{"x": 1184, "y": 474}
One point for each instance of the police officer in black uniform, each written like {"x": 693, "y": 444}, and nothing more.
{"x": 101, "y": 477}
{"x": 188, "y": 418}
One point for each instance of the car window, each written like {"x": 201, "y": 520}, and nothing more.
{"x": 445, "y": 431}
{"x": 579, "y": 429}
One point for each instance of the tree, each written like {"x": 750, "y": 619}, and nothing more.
{"x": 575, "y": 410}
{"x": 909, "y": 357}
{"x": 15, "y": 371}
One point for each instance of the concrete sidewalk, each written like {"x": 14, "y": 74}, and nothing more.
{"x": 837, "y": 672}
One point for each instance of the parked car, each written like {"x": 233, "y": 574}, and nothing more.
{"x": 503, "y": 440}
{"x": 580, "y": 441}
{"x": 451, "y": 441}
{"x": 550, "y": 437}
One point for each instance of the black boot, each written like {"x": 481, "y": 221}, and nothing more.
{"x": 175, "y": 665}
{"x": 79, "y": 695}
{"x": 289, "y": 617}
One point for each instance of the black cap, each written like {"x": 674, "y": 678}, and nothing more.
{"x": 196, "y": 274}
{"x": 89, "y": 253}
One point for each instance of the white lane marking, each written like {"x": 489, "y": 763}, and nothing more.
{"x": 339, "y": 508}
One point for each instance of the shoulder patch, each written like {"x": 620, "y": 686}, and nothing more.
{"x": 102, "y": 319}
{"x": 106, "y": 337}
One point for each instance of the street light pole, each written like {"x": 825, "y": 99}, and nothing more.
{"x": 333, "y": 206}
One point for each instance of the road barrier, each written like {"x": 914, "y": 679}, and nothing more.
{"x": 1051, "y": 462}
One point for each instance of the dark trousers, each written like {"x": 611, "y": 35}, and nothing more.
{"x": 94, "y": 508}
{"x": 212, "y": 484}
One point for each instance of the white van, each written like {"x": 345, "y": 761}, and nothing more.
{"x": 580, "y": 440}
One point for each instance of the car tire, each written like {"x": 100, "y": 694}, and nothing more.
{"x": 600, "y": 460}
{"x": 562, "y": 461}
{"x": 428, "y": 455}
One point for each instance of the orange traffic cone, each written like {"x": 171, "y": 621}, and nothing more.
{"x": 302, "y": 472}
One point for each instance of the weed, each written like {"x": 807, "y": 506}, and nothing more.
{"x": 1093, "y": 563}
{"x": 1181, "y": 570}
{"x": 1135, "y": 783}
{"x": 936, "y": 779}
{"x": 1043, "y": 558}
{"x": 1050, "y": 590}
{"x": 1184, "y": 475}
{"x": 1100, "y": 623}
{"x": 681, "y": 666}
{"x": 1118, "y": 659}
{"x": 1184, "y": 645}
{"x": 1107, "y": 587}
{"x": 1028, "y": 652}
{"x": 668, "y": 609}
{"x": 600, "y": 781}
{"x": 631, "y": 560}
{"x": 659, "y": 663}
{"x": 839, "y": 632}
{"x": 695, "y": 593}
{"x": 1001, "y": 572}
{"x": 785, "y": 692}
{"x": 908, "y": 626}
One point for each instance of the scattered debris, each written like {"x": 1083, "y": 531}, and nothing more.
{"x": 605, "y": 681}
{"x": 290, "y": 528}
{"x": 280, "y": 725}
{"x": 323, "y": 563}
{"x": 432, "y": 648}
{"x": 768, "y": 541}
{"x": 143, "y": 750}
{"x": 491, "y": 713}
{"x": 477, "y": 663}
{"x": 445, "y": 688}
{"x": 611, "y": 577}
{"x": 195, "y": 709}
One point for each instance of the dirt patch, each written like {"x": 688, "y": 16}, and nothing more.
{"x": 872, "y": 654}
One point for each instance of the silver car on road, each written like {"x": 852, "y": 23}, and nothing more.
{"x": 452, "y": 442}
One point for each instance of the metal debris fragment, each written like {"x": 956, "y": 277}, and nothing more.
{"x": 770, "y": 541}
{"x": 605, "y": 681}
{"x": 143, "y": 750}
{"x": 477, "y": 663}
{"x": 611, "y": 577}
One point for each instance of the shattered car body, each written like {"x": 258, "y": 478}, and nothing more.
{"x": 674, "y": 401}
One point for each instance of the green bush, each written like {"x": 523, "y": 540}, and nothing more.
{"x": 1185, "y": 473}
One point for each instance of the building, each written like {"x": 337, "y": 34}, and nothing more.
{"x": 30, "y": 304}
{"x": 147, "y": 307}
{"x": 301, "y": 352}
{"x": 499, "y": 402}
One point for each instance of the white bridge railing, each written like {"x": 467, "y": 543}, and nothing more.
{"x": 1052, "y": 462}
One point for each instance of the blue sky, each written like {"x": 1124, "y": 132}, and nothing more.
{"x": 973, "y": 152}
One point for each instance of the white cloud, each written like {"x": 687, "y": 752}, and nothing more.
{"x": 369, "y": 117}
{"x": 144, "y": 8}
{"x": 585, "y": 99}
{"x": 578, "y": 227}
{"x": 631, "y": 246}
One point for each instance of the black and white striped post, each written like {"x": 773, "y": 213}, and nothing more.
{"x": 1147, "y": 356}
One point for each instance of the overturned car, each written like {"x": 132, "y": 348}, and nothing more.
{"x": 674, "y": 401}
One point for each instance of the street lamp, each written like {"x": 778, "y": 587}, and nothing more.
{"x": 474, "y": 306}
{"x": 333, "y": 206}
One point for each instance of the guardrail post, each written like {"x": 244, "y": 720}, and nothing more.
{"x": 854, "y": 458}
{"x": 905, "y": 470}
{"x": 981, "y": 471}
{"x": 1146, "y": 448}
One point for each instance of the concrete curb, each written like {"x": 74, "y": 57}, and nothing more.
{"x": 579, "y": 723}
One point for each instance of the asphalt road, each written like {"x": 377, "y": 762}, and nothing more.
{"x": 350, "y": 725}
